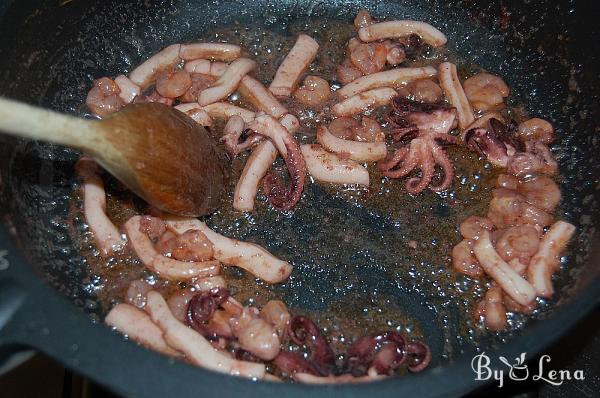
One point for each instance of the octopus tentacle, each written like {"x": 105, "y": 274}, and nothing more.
{"x": 425, "y": 126}
{"x": 394, "y": 160}
{"x": 405, "y": 133}
{"x": 419, "y": 356}
{"x": 304, "y": 331}
{"x": 416, "y": 185}
{"x": 280, "y": 196}
{"x": 237, "y": 138}
{"x": 497, "y": 143}
{"x": 409, "y": 163}
{"x": 450, "y": 139}
{"x": 292, "y": 363}
{"x": 442, "y": 160}
{"x": 382, "y": 353}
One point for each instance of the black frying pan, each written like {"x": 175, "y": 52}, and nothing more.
{"x": 49, "y": 55}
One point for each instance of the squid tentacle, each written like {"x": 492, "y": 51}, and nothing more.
{"x": 394, "y": 160}
{"x": 416, "y": 185}
{"x": 442, "y": 160}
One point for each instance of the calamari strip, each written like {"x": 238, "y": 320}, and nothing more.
{"x": 546, "y": 261}
{"x": 235, "y": 142}
{"x": 228, "y": 82}
{"x": 329, "y": 167}
{"x": 209, "y": 283}
{"x": 257, "y": 94}
{"x": 195, "y": 111}
{"x": 342, "y": 379}
{"x": 107, "y": 236}
{"x": 251, "y": 89}
{"x": 224, "y": 110}
{"x": 402, "y": 28}
{"x": 272, "y": 129}
{"x": 138, "y": 326}
{"x": 217, "y": 51}
{"x": 295, "y": 63}
{"x": 129, "y": 90}
{"x": 290, "y": 122}
{"x": 355, "y": 150}
{"x": 145, "y": 73}
{"x": 195, "y": 347}
{"x": 205, "y": 67}
{"x": 166, "y": 267}
{"x": 389, "y": 78}
{"x": 518, "y": 266}
{"x": 511, "y": 282}
{"x": 455, "y": 94}
{"x": 281, "y": 196}
{"x": 257, "y": 166}
{"x": 495, "y": 311}
{"x": 248, "y": 256}
{"x": 364, "y": 101}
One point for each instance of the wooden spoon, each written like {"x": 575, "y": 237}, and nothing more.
{"x": 159, "y": 153}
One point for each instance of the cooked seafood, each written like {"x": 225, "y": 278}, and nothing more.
{"x": 395, "y": 107}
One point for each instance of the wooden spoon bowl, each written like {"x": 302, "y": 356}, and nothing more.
{"x": 161, "y": 154}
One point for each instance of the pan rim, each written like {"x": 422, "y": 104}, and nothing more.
{"x": 58, "y": 305}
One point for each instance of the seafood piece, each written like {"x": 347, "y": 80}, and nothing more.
{"x": 145, "y": 74}
{"x": 389, "y": 78}
{"x": 104, "y": 97}
{"x": 329, "y": 167}
{"x": 166, "y": 267}
{"x": 546, "y": 260}
{"x": 195, "y": 347}
{"x": 138, "y": 326}
{"x": 292, "y": 67}
{"x": 511, "y": 282}
{"x": 217, "y": 51}
{"x": 402, "y": 28}
{"x": 455, "y": 94}
{"x": 424, "y": 126}
{"x": 355, "y": 150}
{"x": 108, "y": 238}
{"x": 228, "y": 82}
{"x": 280, "y": 196}
{"x": 248, "y": 256}
{"x": 364, "y": 101}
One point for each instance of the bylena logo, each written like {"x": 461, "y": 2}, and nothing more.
{"x": 519, "y": 371}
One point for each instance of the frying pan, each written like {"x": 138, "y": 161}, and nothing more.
{"x": 51, "y": 50}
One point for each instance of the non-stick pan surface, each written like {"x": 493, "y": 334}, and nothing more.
{"x": 49, "y": 53}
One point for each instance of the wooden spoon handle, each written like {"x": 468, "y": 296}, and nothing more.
{"x": 28, "y": 121}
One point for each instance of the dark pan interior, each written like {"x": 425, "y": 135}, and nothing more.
{"x": 49, "y": 55}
